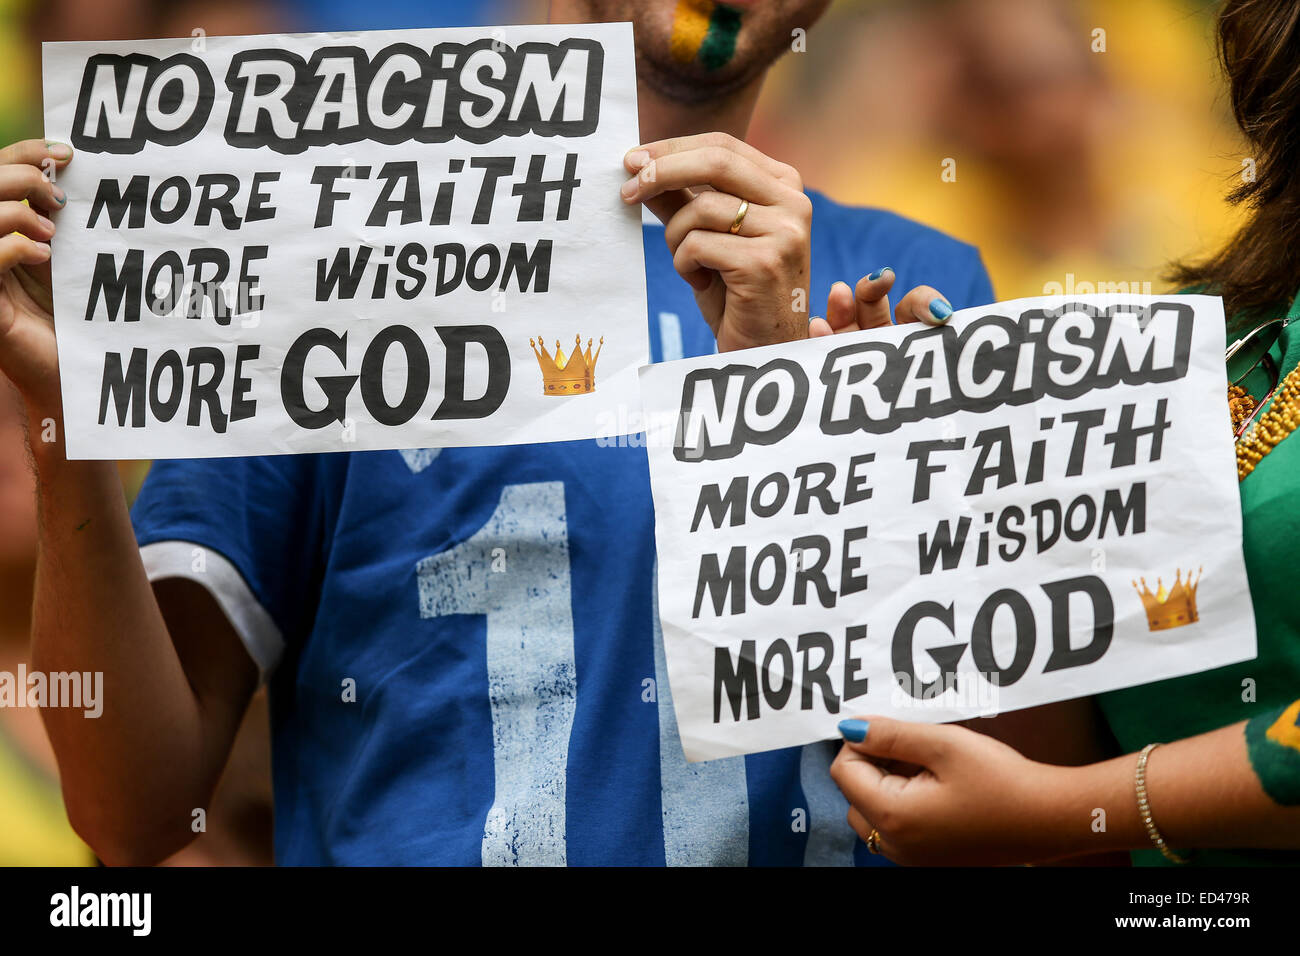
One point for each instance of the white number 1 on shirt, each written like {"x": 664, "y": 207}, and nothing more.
{"x": 524, "y": 591}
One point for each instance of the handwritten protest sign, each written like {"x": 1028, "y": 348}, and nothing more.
{"x": 1036, "y": 502}
{"x": 319, "y": 242}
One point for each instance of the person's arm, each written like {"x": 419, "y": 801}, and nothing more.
{"x": 1070, "y": 733}
{"x": 1204, "y": 791}
{"x": 978, "y": 801}
{"x": 175, "y": 678}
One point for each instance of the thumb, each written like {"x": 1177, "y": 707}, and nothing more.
{"x": 925, "y": 744}
{"x": 923, "y": 304}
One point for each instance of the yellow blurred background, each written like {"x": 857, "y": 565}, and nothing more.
{"x": 1078, "y": 144}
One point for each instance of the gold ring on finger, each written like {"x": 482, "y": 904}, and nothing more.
{"x": 873, "y": 841}
{"x": 740, "y": 216}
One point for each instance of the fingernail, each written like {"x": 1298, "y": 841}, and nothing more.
{"x": 878, "y": 273}
{"x": 44, "y": 222}
{"x": 59, "y": 195}
{"x": 59, "y": 150}
{"x": 854, "y": 731}
{"x": 638, "y": 158}
{"x": 629, "y": 188}
{"x": 44, "y": 247}
{"x": 941, "y": 310}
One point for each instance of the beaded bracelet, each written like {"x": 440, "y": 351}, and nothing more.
{"x": 1144, "y": 808}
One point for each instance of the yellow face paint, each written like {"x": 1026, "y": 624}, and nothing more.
{"x": 1286, "y": 730}
{"x": 690, "y": 27}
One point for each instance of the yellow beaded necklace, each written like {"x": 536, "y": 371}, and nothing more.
{"x": 1279, "y": 421}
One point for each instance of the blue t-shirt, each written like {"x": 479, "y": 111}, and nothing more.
{"x": 492, "y": 613}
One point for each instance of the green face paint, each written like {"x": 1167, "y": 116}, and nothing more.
{"x": 719, "y": 44}
{"x": 1273, "y": 745}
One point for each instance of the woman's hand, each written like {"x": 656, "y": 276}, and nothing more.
{"x": 957, "y": 796}
{"x": 27, "y": 353}
{"x": 867, "y": 306}
{"x": 751, "y": 282}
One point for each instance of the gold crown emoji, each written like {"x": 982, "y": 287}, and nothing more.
{"x": 1173, "y": 608}
{"x": 572, "y": 374}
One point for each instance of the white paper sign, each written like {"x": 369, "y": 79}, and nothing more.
{"x": 322, "y": 242}
{"x": 939, "y": 523}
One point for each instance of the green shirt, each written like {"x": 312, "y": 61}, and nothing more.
{"x": 1186, "y": 706}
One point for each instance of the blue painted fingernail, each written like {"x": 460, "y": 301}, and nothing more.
{"x": 940, "y": 309}
{"x": 59, "y": 195}
{"x": 854, "y": 731}
{"x": 878, "y": 273}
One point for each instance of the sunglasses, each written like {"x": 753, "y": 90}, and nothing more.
{"x": 1251, "y": 366}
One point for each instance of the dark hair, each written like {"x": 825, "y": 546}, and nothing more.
{"x": 1258, "y": 271}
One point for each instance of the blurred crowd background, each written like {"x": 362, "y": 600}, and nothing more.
{"x": 1080, "y": 144}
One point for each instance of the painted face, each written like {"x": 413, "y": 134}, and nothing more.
{"x": 706, "y": 32}
{"x": 696, "y": 50}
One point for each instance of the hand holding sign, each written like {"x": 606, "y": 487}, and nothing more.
{"x": 738, "y": 224}
{"x": 27, "y": 354}
{"x": 973, "y": 800}
{"x": 945, "y": 521}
